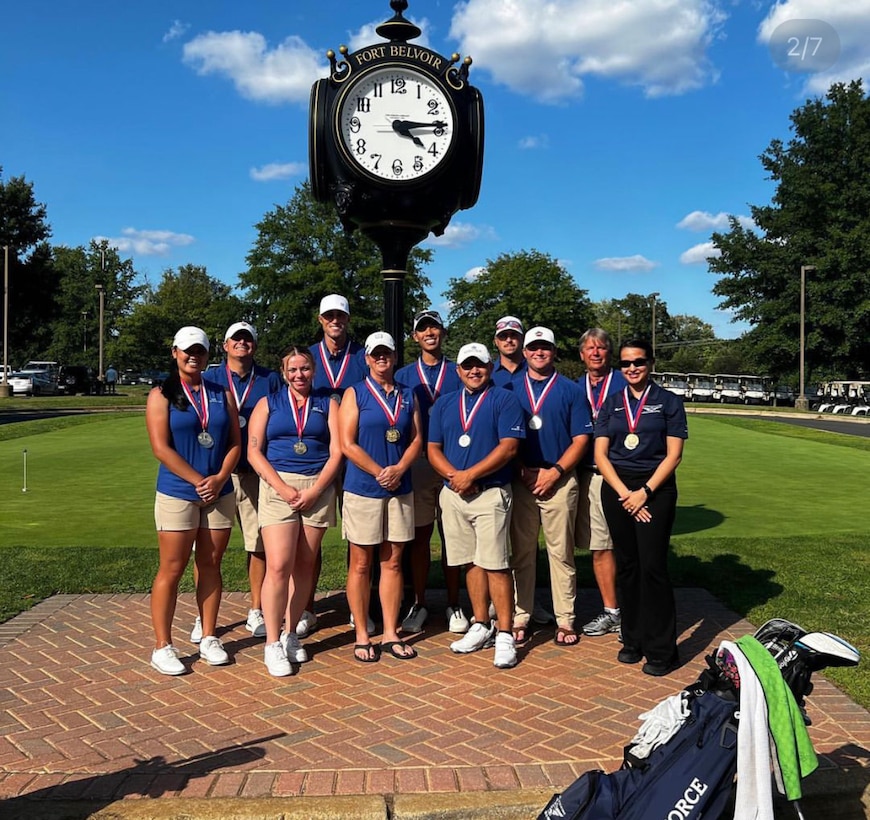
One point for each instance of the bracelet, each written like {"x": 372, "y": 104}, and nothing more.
{"x": 647, "y": 490}
{"x": 559, "y": 469}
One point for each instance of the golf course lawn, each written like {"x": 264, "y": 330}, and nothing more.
{"x": 766, "y": 521}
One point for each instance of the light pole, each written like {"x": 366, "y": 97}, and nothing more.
{"x": 802, "y": 402}
{"x": 102, "y": 304}
{"x": 84, "y": 331}
{"x": 4, "y": 381}
{"x": 654, "y": 296}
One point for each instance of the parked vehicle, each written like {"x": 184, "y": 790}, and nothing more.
{"x": 753, "y": 390}
{"x": 782, "y": 395}
{"x": 675, "y": 383}
{"x": 129, "y": 377}
{"x": 701, "y": 386}
{"x": 727, "y": 390}
{"x": 74, "y": 378}
{"x": 50, "y": 367}
{"x": 32, "y": 383}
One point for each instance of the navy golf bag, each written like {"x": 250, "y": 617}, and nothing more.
{"x": 692, "y": 774}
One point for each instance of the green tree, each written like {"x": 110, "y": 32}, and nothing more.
{"x": 691, "y": 345}
{"x": 24, "y": 230}
{"x": 186, "y": 296}
{"x": 632, "y": 316}
{"x": 819, "y": 216}
{"x": 530, "y": 285}
{"x": 301, "y": 254}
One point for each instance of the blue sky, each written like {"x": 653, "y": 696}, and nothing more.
{"x": 619, "y": 135}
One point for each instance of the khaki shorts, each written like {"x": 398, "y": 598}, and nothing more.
{"x": 427, "y": 485}
{"x": 590, "y": 529}
{"x": 177, "y": 515}
{"x": 477, "y": 528}
{"x": 369, "y": 521}
{"x": 247, "y": 487}
{"x": 275, "y": 510}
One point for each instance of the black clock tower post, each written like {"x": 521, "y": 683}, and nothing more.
{"x": 396, "y": 143}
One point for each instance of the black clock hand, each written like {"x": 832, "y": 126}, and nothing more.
{"x": 403, "y": 129}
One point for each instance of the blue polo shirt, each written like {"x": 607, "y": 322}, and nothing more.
{"x": 564, "y": 413}
{"x": 282, "y": 435}
{"x": 501, "y": 376}
{"x": 265, "y": 382}
{"x": 499, "y": 416}
{"x": 617, "y": 382}
{"x": 663, "y": 416}
{"x": 184, "y": 428}
{"x": 356, "y": 369}
{"x": 410, "y": 375}
{"x": 371, "y": 436}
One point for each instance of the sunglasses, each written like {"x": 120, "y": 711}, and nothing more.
{"x": 624, "y": 363}
{"x": 471, "y": 364}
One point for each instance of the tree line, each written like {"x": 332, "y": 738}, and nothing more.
{"x": 818, "y": 218}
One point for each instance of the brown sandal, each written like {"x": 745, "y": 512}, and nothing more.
{"x": 521, "y": 635}
{"x": 564, "y": 635}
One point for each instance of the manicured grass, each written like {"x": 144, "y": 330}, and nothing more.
{"x": 766, "y": 521}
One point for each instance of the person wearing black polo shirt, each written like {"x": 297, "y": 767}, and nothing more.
{"x": 509, "y": 344}
{"x": 639, "y": 437}
{"x": 474, "y": 436}
{"x": 558, "y": 430}
{"x": 430, "y": 376}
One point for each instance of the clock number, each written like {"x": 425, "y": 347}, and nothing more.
{"x": 397, "y": 167}
{"x": 377, "y": 159}
{"x": 433, "y": 108}
{"x": 433, "y": 149}
{"x": 363, "y": 105}
{"x": 360, "y": 146}
{"x": 419, "y": 91}
{"x": 418, "y": 163}
{"x": 355, "y": 125}
{"x": 439, "y": 129}
{"x": 397, "y": 85}
{"x": 378, "y": 90}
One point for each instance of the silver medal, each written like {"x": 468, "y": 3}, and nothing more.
{"x": 242, "y": 421}
{"x": 464, "y": 440}
{"x": 205, "y": 440}
{"x": 536, "y": 422}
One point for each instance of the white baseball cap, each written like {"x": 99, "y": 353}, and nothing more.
{"x": 474, "y": 350}
{"x": 189, "y": 336}
{"x": 379, "y": 339}
{"x": 232, "y": 330}
{"x": 334, "y": 302}
{"x": 508, "y": 323}
{"x": 539, "y": 334}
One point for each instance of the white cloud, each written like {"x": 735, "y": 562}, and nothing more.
{"x": 176, "y": 30}
{"x": 698, "y": 254}
{"x": 278, "y": 75}
{"x": 851, "y": 22}
{"x": 707, "y": 222}
{"x": 459, "y": 234}
{"x": 473, "y": 274}
{"x": 147, "y": 243}
{"x": 625, "y": 263}
{"x": 530, "y": 143}
{"x": 660, "y": 45}
{"x": 366, "y": 35}
{"x": 278, "y": 170}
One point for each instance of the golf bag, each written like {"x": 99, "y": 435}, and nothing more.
{"x": 691, "y": 775}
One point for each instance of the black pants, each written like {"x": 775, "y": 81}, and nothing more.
{"x": 646, "y": 596}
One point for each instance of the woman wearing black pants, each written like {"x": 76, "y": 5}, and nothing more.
{"x": 639, "y": 439}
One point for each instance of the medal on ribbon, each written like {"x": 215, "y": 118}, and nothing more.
{"x": 300, "y": 417}
{"x": 334, "y": 380}
{"x": 205, "y": 438}
{"x": 392, "y": 434}
{"x": 433, "y": 391}
{"x": 240, "y": 402}
{"x": 536, "y": 422}
{"x": 465, "y": 419}
{"x": 632, "y": 439}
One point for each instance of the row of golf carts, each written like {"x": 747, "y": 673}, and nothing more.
{"x": 844, "y": 398}
{"x": 725, "y": 388}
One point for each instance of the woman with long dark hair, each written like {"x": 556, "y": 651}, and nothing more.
{"x": 293, "y": 446}
{"x": 639, "y": 436}
{"x": 193, "y": 427}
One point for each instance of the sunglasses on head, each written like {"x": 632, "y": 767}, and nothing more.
{"x": 624, "y": 363}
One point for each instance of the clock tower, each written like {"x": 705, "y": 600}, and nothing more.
{"x": 396, "y": 143}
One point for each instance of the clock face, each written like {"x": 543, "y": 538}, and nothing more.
{"x": 395, "y": 124}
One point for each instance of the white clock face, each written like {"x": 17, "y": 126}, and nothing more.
{"x": 396, "y": 124}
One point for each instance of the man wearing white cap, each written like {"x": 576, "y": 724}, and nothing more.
{"x": 559, "y": 429}
{"x": 247, "y": 382}
{"x": 509, "y": 343}
{"x": 474, "y": 435}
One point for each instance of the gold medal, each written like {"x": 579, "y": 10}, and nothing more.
{"x": 392, "y": 435}
{"x": 300, "y": 448}
{"x": 631, "y": 441}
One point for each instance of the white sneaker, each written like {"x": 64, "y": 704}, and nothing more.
{"x": 307, "y": 624}
{"x": 479, "y": 636}
{"x": 255, "y": 624}
{"x": 505, "y": 651}
{"x": 165, "y": 661}
{"x": 211, "y": 650}
{"x": 370, "y": 624}
{"x": 293, "y": 650}
{"x": 415, "y": 619}
{"x": 196, "y": 632}
{"x": 276, "y": 661}
{"x": 456, "y": 620}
